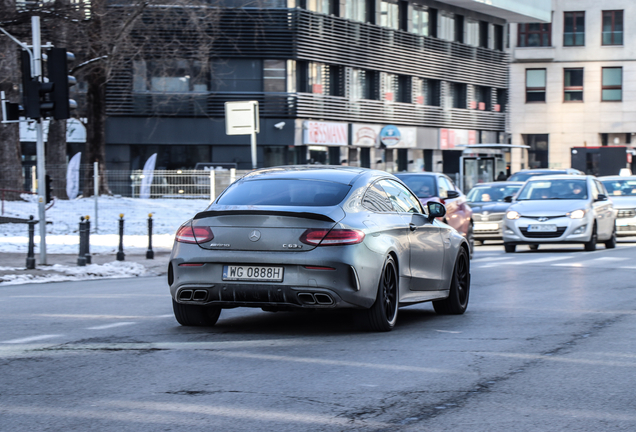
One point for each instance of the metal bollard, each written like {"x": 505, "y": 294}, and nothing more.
{"x": 81, "y": 257}
{"x": 87, "y": 241}
{"x": 150, "y": 253}
{"x": 120, "y": 252}
{"x": 30, "y": 261}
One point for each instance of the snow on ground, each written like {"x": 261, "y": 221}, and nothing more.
{"x": 115, "y": 269}
{"x": 62, "y": 235}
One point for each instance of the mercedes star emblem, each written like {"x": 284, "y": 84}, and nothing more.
{"x": 255, "y": 235}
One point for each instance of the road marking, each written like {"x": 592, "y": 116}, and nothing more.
{"x": 530, "y": 261}
{"x": 491, "y": 259}
{"x": 602, "y": 260}
{"x": 448, "y": 331}
{"x": 109, "y": 326}
{"x": 84, "y": 316}
{"x": 31, "y": 339}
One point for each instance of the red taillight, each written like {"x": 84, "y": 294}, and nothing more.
{"x": 187, "y": 234}
{"x": 336, "y": 237}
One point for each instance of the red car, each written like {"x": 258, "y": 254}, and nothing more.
{"x": 438, "y": 187}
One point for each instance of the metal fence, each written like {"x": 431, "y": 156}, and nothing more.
{"x": 183, "y": 184}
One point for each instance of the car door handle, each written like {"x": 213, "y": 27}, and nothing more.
{"x": 412, "y": 227}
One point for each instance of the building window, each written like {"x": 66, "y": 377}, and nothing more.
{"x": 613, "y": 27}
{"x": 502, "y": 100}
{"x": 534, "y": 35}
{"x": 482, "y": 98}
{"x": 170, "y": 76}
{"x": 574, "y": 29}
{"x": 389, "y": 15}
{"x": 612, "y": 90}
{"x": 363, "y": 84}
{"x": 573, "y": 85}
{"x": 499, "y": 37}
{"x": 458, "y": 95}
{"x": 433, "y": 92}
{"x": 390, "y": 86}
{"x": 237, "y": 75}
{"x": 539, "y": 150}
{"x": 472, "y": 32}
{"x": 446, "y": 28}
{"x": 356, "y": 10}
{"x": 274, "y": 74}
{"x": 404, "y": 89}
{"x": 315, "y": 78}
{"x": 483, "y": 34}
{"x": 420, "y": 19}
{"x": 459, "y": 28}
{"x": 322, "y": 6}
{"x": 535, "y": 85}
{"x": 336, "y": 81}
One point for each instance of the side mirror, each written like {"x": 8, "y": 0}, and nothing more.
{"x": 452, "y": 194}
{"x": 508, "y": 198}
{"x": 435, "y": 210}
{"x": 601, "y": 197}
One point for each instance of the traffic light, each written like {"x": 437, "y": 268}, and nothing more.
{"x": 48, "y": 188}
{"x": 57, "y": 66}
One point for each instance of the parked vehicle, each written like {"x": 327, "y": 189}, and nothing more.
{"x": 437, "y": 187}
{"x": 489, "y": 208}
{"x": 560, "y": 209}
{"x": 525, "y": 174}
{"x": 316, "y": 237}
{"x": 622, "y": 192}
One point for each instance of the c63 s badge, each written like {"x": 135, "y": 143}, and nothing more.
{"x": 293, "y": 246}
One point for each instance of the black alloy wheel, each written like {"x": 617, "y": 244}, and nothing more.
{"x": 195, "y": 315}
{"x": 591, "y": 245}
{"x": 457, "y": 300}
{"x": 383, "y": 314}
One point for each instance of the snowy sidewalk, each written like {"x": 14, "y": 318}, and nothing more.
{"x": 63, "y": 267}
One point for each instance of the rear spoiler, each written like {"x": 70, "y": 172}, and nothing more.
{"x": 302, "y": 215}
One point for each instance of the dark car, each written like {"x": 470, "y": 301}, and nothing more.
{"x": 525, "y": 174}
{"x": 489, "y": 208}
{"x": 318, "y": 237}
{"x": 439, "y": 187}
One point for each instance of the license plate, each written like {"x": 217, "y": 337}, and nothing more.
{"x": 252, "y": 273}
{"x": 542, "y": 228}
{"x": 486, "y": 226}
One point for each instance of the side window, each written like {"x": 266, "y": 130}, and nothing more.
{"x": 600, "y": 187}
{"x": 595, "y": 191}
{"x": 451, "y": 184}
{"x": 443, "y": 184}
{"x": 402, "y": 199}
{"x": 376, "y": 200}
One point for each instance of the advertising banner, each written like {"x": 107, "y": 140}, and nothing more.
{"x": 146, "y": 181}
{"x": 72, "y": 176}
{"x": 450, "y": 138}
{"x": 324, "y": 133}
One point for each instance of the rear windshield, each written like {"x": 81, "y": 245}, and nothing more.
{"x": 523, "y": 176}
{"x": 553, "y": 190}
{"x": 285, "y": 192}
{"x": 491, "y": 193}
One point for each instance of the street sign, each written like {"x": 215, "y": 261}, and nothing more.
{"x": 241, "y": 118}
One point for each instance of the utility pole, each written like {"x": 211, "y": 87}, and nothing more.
{"x": 39, "y": 144}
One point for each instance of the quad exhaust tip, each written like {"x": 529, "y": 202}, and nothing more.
{"x": 313, "y": 299}
{"x": 190, "y": 295}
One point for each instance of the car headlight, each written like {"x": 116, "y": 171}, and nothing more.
{"x": 513, "y": 215}
{"x": 576, "y": 214}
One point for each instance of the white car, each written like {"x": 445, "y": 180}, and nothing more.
{"x": 622, "y": 192}
{"x": 560, "y": 209}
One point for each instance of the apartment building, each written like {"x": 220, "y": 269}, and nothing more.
{"x": 572, "y": 82}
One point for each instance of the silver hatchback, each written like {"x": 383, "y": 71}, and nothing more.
{"x": 560, "y": 209}
{"x": 308, "y": 237}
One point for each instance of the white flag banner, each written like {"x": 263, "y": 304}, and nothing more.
{"x": 146, "y": 181}
{"x": 72, "y": 176}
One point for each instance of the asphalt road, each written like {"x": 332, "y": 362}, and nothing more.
{"x": 547, "y": 344}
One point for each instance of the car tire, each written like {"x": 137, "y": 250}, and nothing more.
{"x": 533, "y": 247}
{"x": 470, "y": 237}
{"x": 510, "y": 248}
{"x": 591, "y": 245}
{"x": 611, "y": 243}
{"x": 382, "y": 316}
{"x": 457, "y": 300}
{"x": 195, "y": 315}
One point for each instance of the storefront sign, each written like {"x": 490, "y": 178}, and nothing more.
{"x": 390, "y": 136}
{"x": 450, "y": 138}
{"x": 323, "y": 133}
{"x": 364, "y": 135}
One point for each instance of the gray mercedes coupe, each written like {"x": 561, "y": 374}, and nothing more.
{"x": 318, "y": 237}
